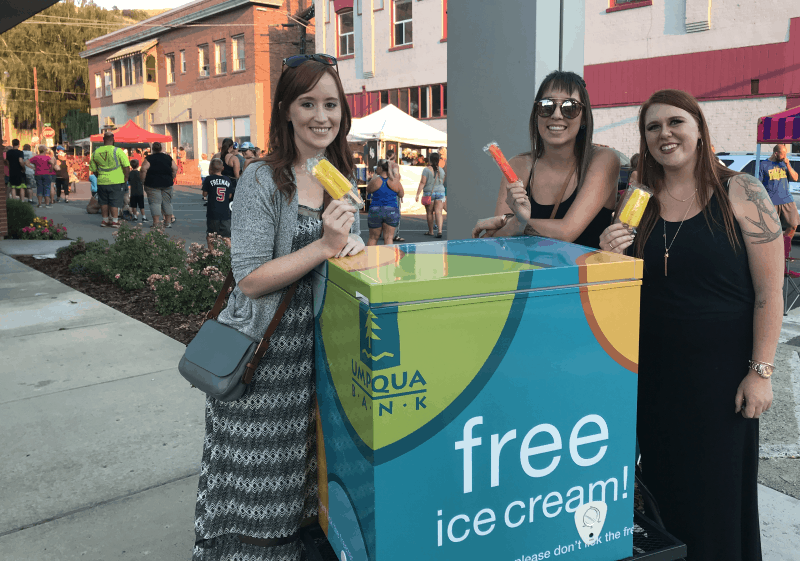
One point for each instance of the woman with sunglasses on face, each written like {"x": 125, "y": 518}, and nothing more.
{"x": 258, "y": 479}
{"x": 570, "y": 185}
{"x": 710, "y": 320}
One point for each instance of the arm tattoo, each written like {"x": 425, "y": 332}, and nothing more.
{"x": 761, "y": 304}
{"x": 530, "y": 231}
{"x": 757, "y": 195}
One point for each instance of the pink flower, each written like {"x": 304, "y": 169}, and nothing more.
{"x": 116, "y": 276}
{"x": 177, "y": 286}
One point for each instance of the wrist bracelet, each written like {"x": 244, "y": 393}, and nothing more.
{"x": 763, "y": 369}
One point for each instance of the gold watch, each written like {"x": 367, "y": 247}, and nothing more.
{"x": 763, "y": 369}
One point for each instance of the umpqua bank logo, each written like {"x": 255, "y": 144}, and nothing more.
{"x": 380, "y": 339}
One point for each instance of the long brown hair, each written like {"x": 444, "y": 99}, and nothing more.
{"x": 283, "y": 152}
{"x": 708, "y": 170}
{"x": 566, "y": 82}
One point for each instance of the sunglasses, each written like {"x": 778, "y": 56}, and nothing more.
{"x": 569, "y": 107}
{"x": 297, "y": 60}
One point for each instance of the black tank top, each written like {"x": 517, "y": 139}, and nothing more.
{"x": 706, "y": 277}
{"x": 226, "y": 169}
{"x": 160, "y": 172}
{"x": 590, "y": 237}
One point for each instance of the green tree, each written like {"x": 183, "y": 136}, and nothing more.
{"x": 371, "y": 328}
{"x": 53, "y": 44}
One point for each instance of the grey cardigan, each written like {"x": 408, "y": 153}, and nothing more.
{"x": 262, "y": 229}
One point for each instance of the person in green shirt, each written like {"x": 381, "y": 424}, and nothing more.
{"x": 111, "y": 166}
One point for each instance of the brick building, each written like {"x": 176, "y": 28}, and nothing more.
{"x": 389, "y": 51}
{"x": 200, "y": 72}
{"x": 740, "y": 59}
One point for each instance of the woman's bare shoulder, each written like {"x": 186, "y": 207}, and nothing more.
{"x": 605, "y": 156}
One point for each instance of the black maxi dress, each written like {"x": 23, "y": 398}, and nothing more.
{"x": 699, "y": 458}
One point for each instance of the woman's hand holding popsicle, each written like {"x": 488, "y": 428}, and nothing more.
{"x": 337, "y": 219}
{"x": 519, "y": 203}
{"x": 616, "y": 238}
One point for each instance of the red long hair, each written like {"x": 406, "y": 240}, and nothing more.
{"x": 708, "y": 170}
{"x": 282, "y": 151}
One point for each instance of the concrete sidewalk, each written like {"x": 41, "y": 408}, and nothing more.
{"x": 103, "y": 438}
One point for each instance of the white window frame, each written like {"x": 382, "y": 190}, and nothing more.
{"x": 238, "y": 52}
{"x": 183, "y": 62}
{"x": 107, "y": 80}
{"x": 169, "y": 62}
{"x": 351, "y": 36}
{"x": 403, "y": 23}
{"x": 220, "y": 57}
{"x": 202, "y": 60}
{"x": 98, "y": 85}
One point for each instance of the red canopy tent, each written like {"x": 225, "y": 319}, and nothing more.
{"x": 780, "y": 128}
{"x": 132, "y": 133}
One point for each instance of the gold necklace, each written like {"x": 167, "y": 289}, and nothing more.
{"x": 680, "y": 200}
{"x": 666, "y": 249}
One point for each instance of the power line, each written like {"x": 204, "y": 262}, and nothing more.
{"x": 48, "y": 91}
{"x": 39, "y": 53}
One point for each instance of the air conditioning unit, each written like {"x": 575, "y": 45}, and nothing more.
{"x": 204, "y": 71}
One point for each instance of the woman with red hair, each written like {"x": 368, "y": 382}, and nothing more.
{"x": 710, "y": 319}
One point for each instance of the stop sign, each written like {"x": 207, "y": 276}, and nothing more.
{"x": 48, "y": 132}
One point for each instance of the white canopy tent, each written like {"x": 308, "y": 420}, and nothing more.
{"x": 393, "y": 125}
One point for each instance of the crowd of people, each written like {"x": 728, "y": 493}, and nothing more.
{"x": 47, "y": 174}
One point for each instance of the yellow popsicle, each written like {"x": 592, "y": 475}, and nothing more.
{"x": 332, "y": 180}
{"x": 634, "y": 208}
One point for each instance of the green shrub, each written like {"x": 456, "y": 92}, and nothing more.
{"x": 193, "y": 287}
{"x": 131, "y": 259}
{"x": 20, "y": 215}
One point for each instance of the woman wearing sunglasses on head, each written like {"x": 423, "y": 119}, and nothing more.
{"x": 570, "y": 185}
{"x": 710, "y": 321}
{"x": 258, "y": 479}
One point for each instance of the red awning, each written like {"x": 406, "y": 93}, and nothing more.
{"x": 780, "y": 128}
{"x": 132, "y": 133}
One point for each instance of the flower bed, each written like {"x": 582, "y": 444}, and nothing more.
{"x": 43, "y": 229}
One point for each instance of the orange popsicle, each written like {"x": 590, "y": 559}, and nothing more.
{"x": 494, "y": 151}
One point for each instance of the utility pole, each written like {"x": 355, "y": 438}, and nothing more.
{"x": 36, "y": 96}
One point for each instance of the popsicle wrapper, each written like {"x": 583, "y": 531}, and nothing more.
{"x": 494, "y": 151}
{"x": 634, "y": 202}
{"x": 336, "y": 184}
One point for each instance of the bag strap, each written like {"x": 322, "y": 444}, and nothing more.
{"x": 223, "y": 292}
{"x": 273, "y": 325}
{"x": 561, "y": 194}
{"x": 529, "y": 189}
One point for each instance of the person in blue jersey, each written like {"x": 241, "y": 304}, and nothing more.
{"x": 219, "y": 189}
{"x": 775, "y": 174}
{"x": 384, "y": 214}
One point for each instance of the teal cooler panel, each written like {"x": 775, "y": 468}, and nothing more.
{"x": 555, "y": 359}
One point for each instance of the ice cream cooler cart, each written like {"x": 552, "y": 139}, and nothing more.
{"x": 478, "y": 401}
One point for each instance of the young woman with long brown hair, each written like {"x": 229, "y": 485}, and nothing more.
{"x": 258, "y": 480}
{"x": 566, "y": 177}
{"x": 710, "y": 320}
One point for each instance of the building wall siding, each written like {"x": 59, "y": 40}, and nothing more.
{"x": 660, "y": 29}
{"x": 732, "y": 124}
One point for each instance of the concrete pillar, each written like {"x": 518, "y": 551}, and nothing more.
{"x": 497, "y": 55}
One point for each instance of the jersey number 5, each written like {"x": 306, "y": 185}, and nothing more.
{"x": 220, "y": 194}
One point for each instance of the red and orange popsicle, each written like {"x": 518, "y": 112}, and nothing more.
{"x": 494, "y": 151}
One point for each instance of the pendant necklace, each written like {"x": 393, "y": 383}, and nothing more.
{"x": 666, "y": 249}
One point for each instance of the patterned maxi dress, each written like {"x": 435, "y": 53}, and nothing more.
{"x": 258, "y": 475}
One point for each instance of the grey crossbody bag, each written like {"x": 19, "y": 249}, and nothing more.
{"x": 225, "y": 375}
